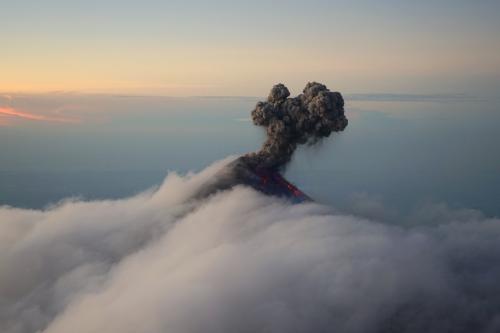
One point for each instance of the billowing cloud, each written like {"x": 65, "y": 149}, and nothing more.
{"x": 240, "y": 261}
{"x": 290, "y": 122}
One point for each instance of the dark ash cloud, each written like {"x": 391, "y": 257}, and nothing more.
{"x": 289, "y": 122}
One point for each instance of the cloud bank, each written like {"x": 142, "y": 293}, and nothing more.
{"x": 240, "y": 261}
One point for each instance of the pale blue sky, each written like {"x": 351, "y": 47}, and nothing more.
{"x": 240, "y": 48}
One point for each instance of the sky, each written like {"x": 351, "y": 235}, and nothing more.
{"x": 186, "y": 48}
{"x": 399, "y": 149}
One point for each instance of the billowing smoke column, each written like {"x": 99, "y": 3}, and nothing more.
{"x": 310, "y": 116}
{"x": 289, "y": 122}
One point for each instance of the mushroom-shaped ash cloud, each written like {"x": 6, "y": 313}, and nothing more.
{"x": 307, "y": 118}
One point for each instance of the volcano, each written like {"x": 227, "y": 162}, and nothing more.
{"x": 264, "y": 180}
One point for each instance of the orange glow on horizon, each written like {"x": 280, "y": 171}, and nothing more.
{"x": 9, "y": 111}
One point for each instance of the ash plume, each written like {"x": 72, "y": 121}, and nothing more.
{"x": 291, "y": 121}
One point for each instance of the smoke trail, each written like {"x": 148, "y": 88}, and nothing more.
{"x": 240, "y": 261}
{"x": 312, "y": 115}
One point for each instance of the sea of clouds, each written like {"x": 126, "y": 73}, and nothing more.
{"x": 240, "y": 261}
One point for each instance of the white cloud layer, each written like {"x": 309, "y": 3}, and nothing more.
{"x": 240, "y": 262}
